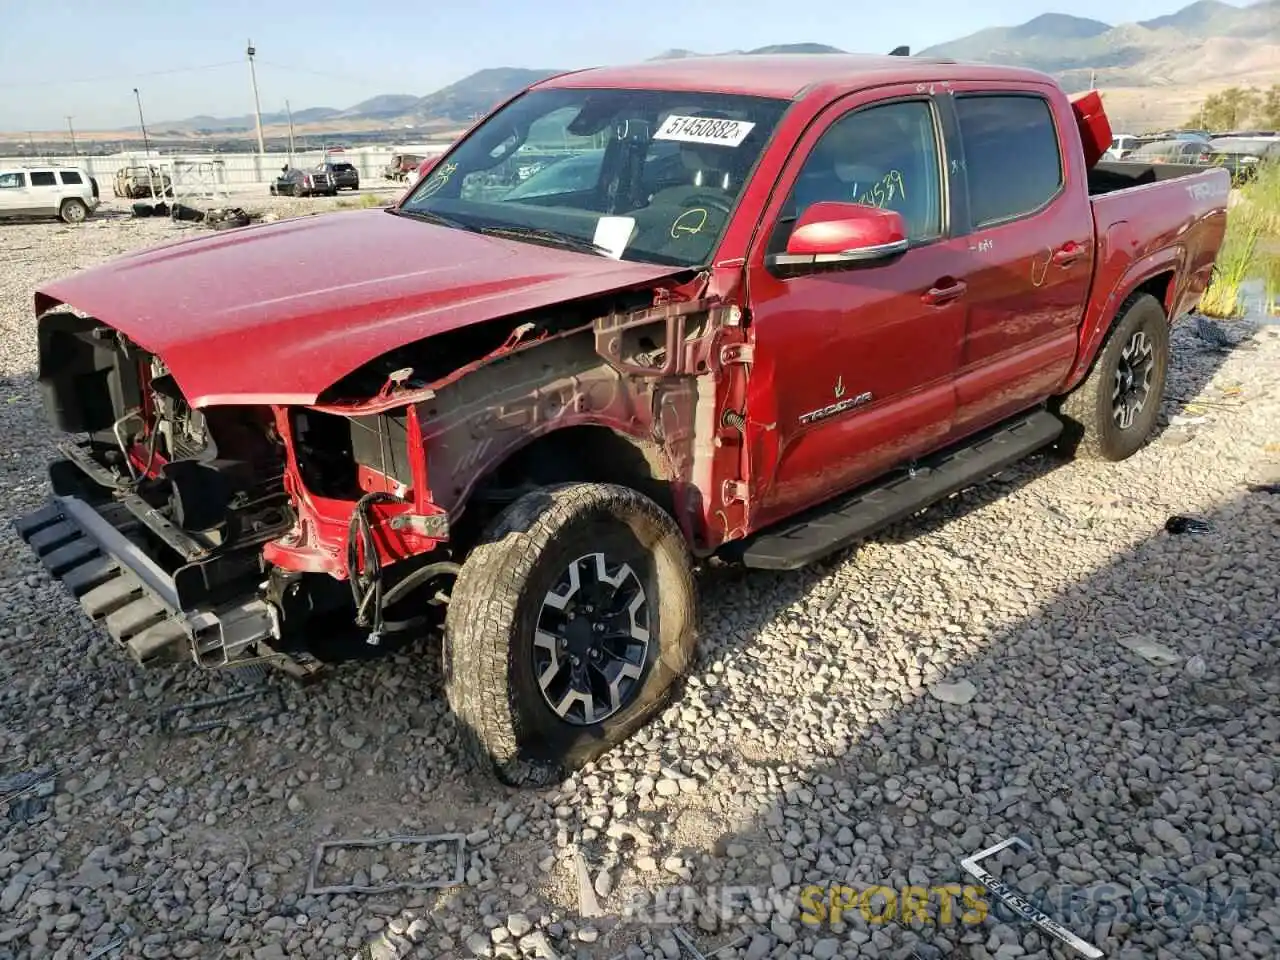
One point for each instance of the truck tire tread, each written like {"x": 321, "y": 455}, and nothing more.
{"x": 486, "y": 606}
{"x": 1091, "y": 434}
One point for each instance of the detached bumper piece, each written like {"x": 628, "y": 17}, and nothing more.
{"x": 126, "y": 592}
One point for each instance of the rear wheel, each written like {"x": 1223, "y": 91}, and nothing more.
{"x": 1111, "y": 415}
{"x": 73, "y": 211}
{"x": 566, "y": 629}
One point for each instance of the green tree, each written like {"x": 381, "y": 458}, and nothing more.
{"x": 1269, "y": 108}
{"x": 1227, "y": 109}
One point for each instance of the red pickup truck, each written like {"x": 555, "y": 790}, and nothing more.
{"x": 866, "y": 284}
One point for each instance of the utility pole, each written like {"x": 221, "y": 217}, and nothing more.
{"x": 1093, "y": 79}
{"x": 289, "y": 114}
{"x": 146, "y": 143}
{"x": 72, "y": 130}
{"x": 257, "y": 109}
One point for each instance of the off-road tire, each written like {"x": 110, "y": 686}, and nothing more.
{"x": 73, "y": 211}
{"x": 506, "y": 722}
{"x": 1092, "y": 431}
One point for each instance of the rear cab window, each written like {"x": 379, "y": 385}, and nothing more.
{"x": 1013, "y": 158}
{"x": 71, "y": 177}
{"x": 43, "y": 178}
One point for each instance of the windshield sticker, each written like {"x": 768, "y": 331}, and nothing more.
{"x": 613, "y": 234}
{"x": 723, "y": 133}
{"x": 689, "y": 223}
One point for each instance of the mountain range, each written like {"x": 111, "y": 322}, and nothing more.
{"x": 1153, "y": 67}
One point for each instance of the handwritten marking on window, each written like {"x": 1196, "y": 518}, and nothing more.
{"x": 883, "y": 192}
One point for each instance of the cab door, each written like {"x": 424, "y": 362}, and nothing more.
{"x": 854, "y": 365}
{"x": 1030, "y": 234}
{"x": 14, "y": 195}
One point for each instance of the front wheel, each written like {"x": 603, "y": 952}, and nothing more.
{"x": 567, "y": 627}
{"x": 1112, "y": 413}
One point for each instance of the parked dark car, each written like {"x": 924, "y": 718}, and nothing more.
{"x": 344, "y": 175}
{"x": 303, "y": 183}
{"x": 1172, "y": 151}
{"x": 1242, "y": 156}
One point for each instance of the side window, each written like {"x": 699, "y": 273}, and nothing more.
{"x": 43, "y": 179}
{"x": 886, "y": 157}
{"x": 1011, "y": 155}
{"x": 12, "y": 181}
{"x": 70, "y": 176}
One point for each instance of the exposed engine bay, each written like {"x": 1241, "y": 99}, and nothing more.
{"x": 216, "y": 476}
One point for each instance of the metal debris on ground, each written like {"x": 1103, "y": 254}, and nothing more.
{"x": 1151, "y": 651}
{"x": 1178, "y": 420}
{"x": 102, "y": 951}
{"x": 1215, "y": 334}
{"x": 16, "y": 785}
{"x": 224, "y": 218}
{"x": 170, "y": 718}
{"x": 1263, "y": 488}
{"x": 588, "y": 905}
{"x": 1183, "y": 524}
{"x": 687, "y": 944}
{"x": 457, "y": 879}
{"x": 1018, "y": 903}
{"x": 25, "y": 809}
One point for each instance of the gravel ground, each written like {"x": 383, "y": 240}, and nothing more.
{"x": 1037, "y": 656}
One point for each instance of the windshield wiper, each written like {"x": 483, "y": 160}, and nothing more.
{"x": 430, "y": 216}
{"x": 555, "y": 238}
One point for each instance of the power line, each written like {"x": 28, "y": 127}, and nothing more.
{"x": 320, "y": 73}
{"x": 120, "y": 76}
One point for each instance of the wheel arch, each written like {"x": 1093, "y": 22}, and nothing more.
{"x": 1159, "y": 281}
{"x": 583, "y": 452}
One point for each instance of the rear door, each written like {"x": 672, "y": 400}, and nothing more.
{"x": 854, "y": 366}
{"x": 1029, "y": 237}
{"x": 46, "y": 195}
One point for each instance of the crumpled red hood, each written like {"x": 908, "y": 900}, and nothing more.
{"x": 277, "y": 313}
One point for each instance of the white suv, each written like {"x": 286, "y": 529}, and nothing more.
{"x": 65, "y": 192}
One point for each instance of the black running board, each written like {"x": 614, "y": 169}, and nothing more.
{"x": 842, "y": 522}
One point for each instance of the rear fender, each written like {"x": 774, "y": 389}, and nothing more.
{"x": 1102, "y": 312}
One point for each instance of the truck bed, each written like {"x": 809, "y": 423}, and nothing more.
{"x": 1109, "y": 176}
{"x": 1157, "y": 226}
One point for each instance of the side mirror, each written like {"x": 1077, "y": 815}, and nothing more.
{"x": 836, "y": 232}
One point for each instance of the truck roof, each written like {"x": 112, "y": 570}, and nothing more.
{"x": 785, "y": 76}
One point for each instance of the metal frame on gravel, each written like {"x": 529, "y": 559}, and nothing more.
{"x": 456, "y": 880}
{"x": 1018, "y": 903}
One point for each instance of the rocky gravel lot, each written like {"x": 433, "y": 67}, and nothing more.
{"x": 1037, "y": 656}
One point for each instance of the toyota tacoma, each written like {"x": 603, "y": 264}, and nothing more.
{"x": 525, "y": 416}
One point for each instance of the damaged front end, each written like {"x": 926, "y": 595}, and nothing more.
{"x": 191, "y": 534}
{"x": 236, "y": 531}
{"x": 159, "y": 511}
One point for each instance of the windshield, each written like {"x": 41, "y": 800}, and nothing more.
{"x": 642, "y": 175}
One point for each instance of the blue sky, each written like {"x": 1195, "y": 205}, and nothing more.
{"x": 337, "y": 52}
